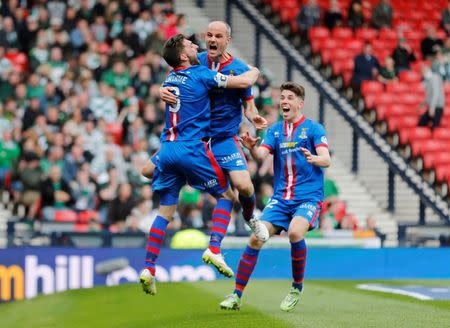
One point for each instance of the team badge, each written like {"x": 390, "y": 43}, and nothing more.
{"x": 324, "y": 140}
{"x": 232, "y": 72}
{"x": 303, "y": 134}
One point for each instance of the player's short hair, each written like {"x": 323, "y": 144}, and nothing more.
{"x": 172, "y": 50}
{"x": 296, "y": 88}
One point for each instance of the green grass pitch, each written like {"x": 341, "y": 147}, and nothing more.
{"x": 324, "y": 304}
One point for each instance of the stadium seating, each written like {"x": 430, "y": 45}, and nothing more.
{"x": 394, "y": 104}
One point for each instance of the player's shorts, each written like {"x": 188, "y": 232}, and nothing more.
{"x": 178, "y": 163}
{"x": 229, "y": 154}
{"x": 280, "y": 212}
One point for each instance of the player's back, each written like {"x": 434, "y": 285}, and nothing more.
{"x": 226, "y": 104}
{"x": 296, "y": 179}
{"x": 189, "y": 119}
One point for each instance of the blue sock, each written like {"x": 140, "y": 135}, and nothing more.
{"x": 221, "y": 220}
{"x": 154, "y": 242}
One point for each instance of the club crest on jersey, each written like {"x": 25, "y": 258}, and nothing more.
{"x": 232, "y": 72}
{"x": 276, "y": 134}
{"x": 303, "y": 134}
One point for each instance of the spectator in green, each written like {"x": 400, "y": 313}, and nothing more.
{"x": 117, "y": 77}
{"x": 387, "y": 72}
{"x": 331, "y": 190}
{"x": 9, "y": 152}
{"x": 34, "y": 87}
{"x": 55, "y": 157}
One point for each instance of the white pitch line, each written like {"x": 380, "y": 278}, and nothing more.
{"x": 394, "y": 291}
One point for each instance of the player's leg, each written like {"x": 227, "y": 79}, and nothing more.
{"x": 205, "y": 174}
{"x": 167, "y": 185}
{"x": 231, "y": 158}
{"x": 276, "y": 218}
{"x": 245, "y": 269}
{"x": 305, "y": 218}
{"x": 148, "y": 170}
{"x": 154, "y": 242}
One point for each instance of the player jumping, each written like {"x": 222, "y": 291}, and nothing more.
{"x": 183, "y": 156}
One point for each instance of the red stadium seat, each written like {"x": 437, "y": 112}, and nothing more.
{"x": 116, "y": 130}
{"x": 340, "y": 66}
{"x": 387, "y": 34}
{"x": 65, "y": 216}
{"x": 409, "y": 99}
{"x": 354, "y": 46}
{"x": 321, "y": 33}
{"x": 395, "y": 111}
{"x": 81, "y": 227}
{"x": 436, "y": 159}
{"x": 415, "y": 133}
{"x": 441, "y": 134}
{"x": 399, "y": 123}
{"x": 423, "y": 146}
{"x": 442, "y": 173}
{"x": 409, "y": 77}
{"x": 86, "y": 216}
{"x": 342, "y": 33}
{"x": 366, "y": 34}
{"x": 371, "y": 87}
{"x": 384, "y": 99}
{"x": 397, "y": 87}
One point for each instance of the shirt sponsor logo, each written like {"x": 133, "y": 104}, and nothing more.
{"x": 211, "y": 183}
{"x": 290, "y": 144}
{"x": 230, "y": 158}
{"x": 309, "y": 207}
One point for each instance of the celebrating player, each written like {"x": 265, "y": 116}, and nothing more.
{"x": 226, "y": 117}
{"x": 300, "y": 151}
{"x": 183, "y": 156}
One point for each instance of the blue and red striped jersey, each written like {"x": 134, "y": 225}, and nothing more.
{"x": 189, "y": 119}
{"x": 226, "y": 104}
{"x": 295, "y": 178}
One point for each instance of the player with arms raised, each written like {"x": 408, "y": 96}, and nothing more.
{"x": 300, "y": 152}
{"x": 183, "y": 156}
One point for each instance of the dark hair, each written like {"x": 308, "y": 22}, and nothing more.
{"x": 172, "y": 50}
{"x": 295, "y": 88}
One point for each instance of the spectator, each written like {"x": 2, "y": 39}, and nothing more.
{"x": 55, "y": 157}
{"x": 56, "y": 194}
{"x": 434, "y": 98}
{"x": 366, "y": 66}
{"x": 355, "y": 14}
{"x": 83, "y": 191}
{"x": 387, "y": 72}
{"x": 72, "y": 163}
{"x": 371, "y": 225}
{"x": 26, "y": 182}
{"x": 103, "y": 105}
{"x": 445, "y": 20}
{"x": 441, "y": 66}
{"x": 430, "y": 44}
{"x": 118, "y": 77}
{"x": 333, "y": 16}
{"x": 382, "y": 15}
{"x": 403, "y": 56}
{"x": 130, "y": 38}
{"x": 308, "y": 16}
{"x": 121, "y": 207}
{"x": 8, "y": 34}
{"x": 9, "y": 153}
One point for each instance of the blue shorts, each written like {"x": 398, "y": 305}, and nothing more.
{"x": 229, "y": 154}
{"x": 181, "y": 162}
{"x": 280, "y": 212}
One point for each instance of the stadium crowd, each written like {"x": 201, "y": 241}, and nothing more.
{"x": 80, "y": 115}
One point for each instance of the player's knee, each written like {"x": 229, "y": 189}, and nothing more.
{"x": 147, "y": 171}
{"x": 245, "y": 187}
{"x": 295, "y": 236}
{"x": 229, "y": 195}
{"x": 255, "y": 243}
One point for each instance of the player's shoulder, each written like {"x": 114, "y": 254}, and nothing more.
{"x": 238, "y": 64}
{"x": 203, "y": 58}
{"x": 277, "y": 126}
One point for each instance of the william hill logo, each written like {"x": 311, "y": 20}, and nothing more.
{"x": 68, "y": 272}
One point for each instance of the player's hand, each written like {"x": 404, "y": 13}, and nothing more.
{"x": 248, "y": 141}
{"x": 165, "y": 93}
{"x": 259, "y": 122}
{"x": 309, "y": 157}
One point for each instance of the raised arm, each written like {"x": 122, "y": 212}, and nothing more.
{"x": 249, "y": 142}
{"x": 244, "y": 80}
{"x": 251, "y": 113}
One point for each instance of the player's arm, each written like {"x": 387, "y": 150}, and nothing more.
{"x": 251, "y": 113}
{"x": 249, "y": 142}
{"x": 167, "y": 95}
{"x": 322, "y": 159}
{"x": 242, "y": 81}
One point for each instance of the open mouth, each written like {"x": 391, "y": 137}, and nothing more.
{"x": 285, "y": 109}
{"x": 212, "y": 47}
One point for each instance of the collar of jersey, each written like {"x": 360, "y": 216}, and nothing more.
{"x": 179, "y": 68}
{"x": 222, "y": 65}
{"x": 300, "y": 121}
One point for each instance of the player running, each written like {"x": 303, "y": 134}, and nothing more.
{"x": 183, "y": 156}
{"x": 226, "y": 117}
{"x": 300, "y": 152}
